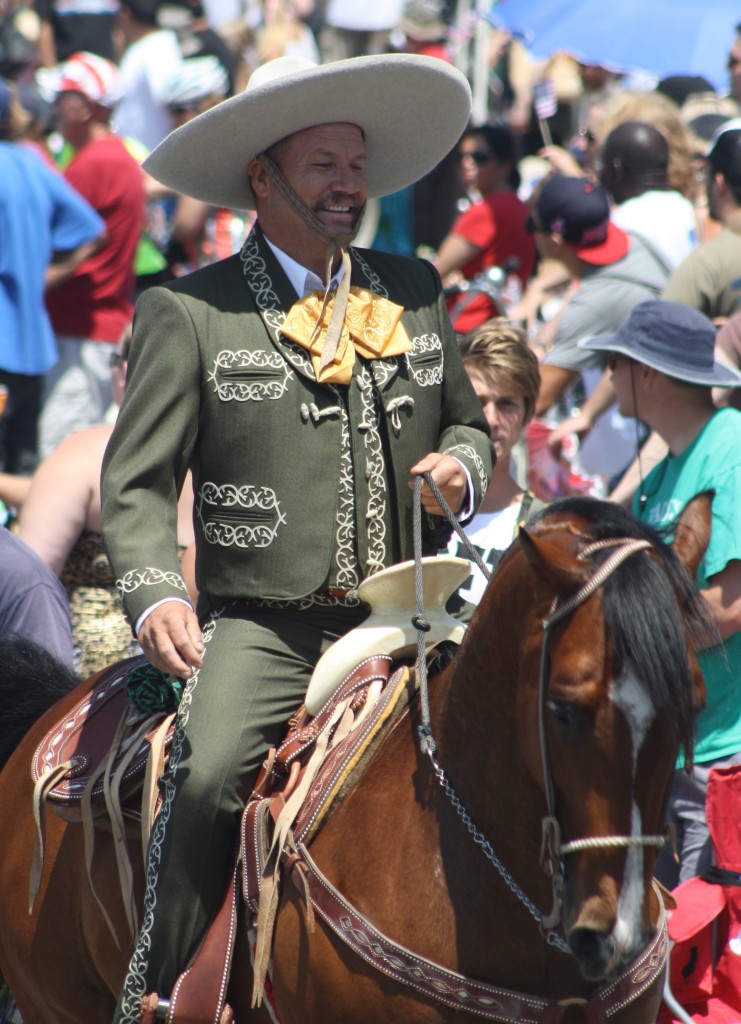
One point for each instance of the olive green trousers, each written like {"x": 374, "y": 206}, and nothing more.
{"x": 257, "y": 664}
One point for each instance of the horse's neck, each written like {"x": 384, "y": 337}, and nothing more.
{"x": 476, "y": 716}
{"x": 478, "y": 752}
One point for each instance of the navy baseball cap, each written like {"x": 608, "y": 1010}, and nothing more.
{"x": 672, "y": 338}
{"x": 579, "y": 211}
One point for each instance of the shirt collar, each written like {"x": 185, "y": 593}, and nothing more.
{"x": 302, "y": 280}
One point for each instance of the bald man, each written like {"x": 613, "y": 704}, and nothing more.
{"x": 635, "y": 171}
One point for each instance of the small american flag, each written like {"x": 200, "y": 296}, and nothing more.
{"x": 544, "y": 97}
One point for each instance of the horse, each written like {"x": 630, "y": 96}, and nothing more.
{"x": 567, "y": 703}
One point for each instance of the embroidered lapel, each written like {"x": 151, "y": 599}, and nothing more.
{"x": 273, "y": 297}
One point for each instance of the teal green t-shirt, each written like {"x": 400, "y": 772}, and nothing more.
{"x": 713, "y": 460}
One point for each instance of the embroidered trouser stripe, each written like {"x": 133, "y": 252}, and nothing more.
{"x": 256, "y": 667}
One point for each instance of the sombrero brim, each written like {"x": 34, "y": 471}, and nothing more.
{"x": 719, "y": 376}
{"x": 412, "y": 111}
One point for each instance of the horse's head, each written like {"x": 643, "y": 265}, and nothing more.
{"x": 619, "y": 686}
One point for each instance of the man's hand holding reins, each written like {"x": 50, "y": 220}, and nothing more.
{"x": 171, "y": 639}
{"x": 450, "y": 477}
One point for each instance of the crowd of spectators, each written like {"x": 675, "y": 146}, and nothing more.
{"x": 546, "y": 230}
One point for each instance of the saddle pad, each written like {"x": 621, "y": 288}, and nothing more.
{"x": 323, "y": 784}
{"x": 82, "y": 739}
{"x": 345, "y": 762}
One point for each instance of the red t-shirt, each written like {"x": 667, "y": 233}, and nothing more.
{"x": 96, "y": 302}
{"x": 496, "y": 226}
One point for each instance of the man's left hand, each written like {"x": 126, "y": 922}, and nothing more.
{"x": 449, "y": 476}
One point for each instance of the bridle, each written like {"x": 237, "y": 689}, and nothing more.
{"x": 552, "y": 849}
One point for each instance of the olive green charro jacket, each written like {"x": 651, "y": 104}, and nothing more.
{"x": 284, "y": 469}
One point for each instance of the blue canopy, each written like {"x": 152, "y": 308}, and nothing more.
{"x": 661, "y": 37}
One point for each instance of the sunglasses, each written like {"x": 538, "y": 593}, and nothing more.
{"x": 117, "y": 360}
{"x": 479, "y": 156}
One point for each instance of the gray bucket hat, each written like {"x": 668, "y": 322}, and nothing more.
{"x": 411, "y": 109}
{"x": 671, "y": 338}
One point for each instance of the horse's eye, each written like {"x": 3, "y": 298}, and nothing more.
{"x": 562, "y": 711}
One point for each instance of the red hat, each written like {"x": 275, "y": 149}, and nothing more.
{"x": 579, "y": 211}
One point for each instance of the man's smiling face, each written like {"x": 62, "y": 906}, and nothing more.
{"x": 325, "y": 166}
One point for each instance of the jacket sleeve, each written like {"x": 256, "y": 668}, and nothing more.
{"x": 149, "y": 453}
{"x": 463, "y": 428}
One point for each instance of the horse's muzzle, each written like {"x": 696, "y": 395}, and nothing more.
{"x": 600, "y": 956}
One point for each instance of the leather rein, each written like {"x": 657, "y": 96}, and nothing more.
{"x": 482, "y": 999}
{"x": 552, "y": 849}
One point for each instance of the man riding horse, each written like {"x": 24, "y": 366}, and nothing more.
{"x": 303, "y": 383}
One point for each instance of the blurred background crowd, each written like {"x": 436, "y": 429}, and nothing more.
{"x": 601, "y": 170}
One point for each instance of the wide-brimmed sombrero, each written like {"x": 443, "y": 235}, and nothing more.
{"x": 412, "y": 111}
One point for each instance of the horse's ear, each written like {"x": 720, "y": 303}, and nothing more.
{"x": 557, "y": 567}
{"x": 692, "y": 534}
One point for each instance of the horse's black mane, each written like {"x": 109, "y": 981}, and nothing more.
{"x": 31, "y": 680}
{"x": 644, "y": 608}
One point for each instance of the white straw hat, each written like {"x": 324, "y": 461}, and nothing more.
{"x": 411, "y": 109}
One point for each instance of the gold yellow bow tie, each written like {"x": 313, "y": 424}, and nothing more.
{"x": 372, "y": 328}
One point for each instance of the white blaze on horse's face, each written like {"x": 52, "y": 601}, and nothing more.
{"x": 631, "y": 698}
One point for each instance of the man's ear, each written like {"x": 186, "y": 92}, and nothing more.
{"x": 259, "y": 178}
{"x": 649, "y": 377}
{"x": 719, "y": 180}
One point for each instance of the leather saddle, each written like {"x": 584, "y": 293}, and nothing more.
{"x": 103, "y": 735}
{"x": 100, "y": 764}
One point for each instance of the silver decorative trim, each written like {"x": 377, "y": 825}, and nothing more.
{"x": 148, "y": 577}
{"x": 135, "y": 985}
{"x": 469, "y": 453}
{"x": 385, "y": 370}
{"x": 346, "y": 546}
{"x": 245, "y": 376}
{"x": 375, "y": 471}
{"x": 261, "y": 286}
{"x": 243, "y": 515}
{"x": 374, "y": 281}
{"x": 310, "y": 601}
{"x": 426, "y": 360}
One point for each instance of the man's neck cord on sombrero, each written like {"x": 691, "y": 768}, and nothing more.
{"x": 335, "y": 242}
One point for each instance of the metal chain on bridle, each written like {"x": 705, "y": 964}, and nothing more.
{"x": 552, "y": 849}
{"x": 419, "y": 621}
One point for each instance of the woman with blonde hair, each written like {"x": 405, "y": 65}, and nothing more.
{"x": 609, "y": 108}
{"x": 666, "y": 117}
